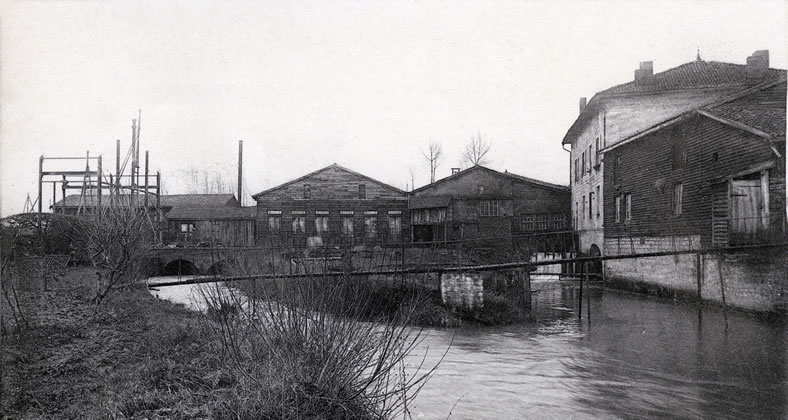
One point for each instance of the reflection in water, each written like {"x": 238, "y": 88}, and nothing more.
{"x": 638, "y": 357}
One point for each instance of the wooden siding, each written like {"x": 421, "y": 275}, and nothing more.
{"x": 333, "y": 183}
{"x": 713, "y": 151}
{"x": 230, "y": 233}
{"x": 286, "y": 237}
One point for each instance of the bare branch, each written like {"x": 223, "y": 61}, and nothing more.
{"x": 476, "y": 150}
{"x": 434, "y": 156}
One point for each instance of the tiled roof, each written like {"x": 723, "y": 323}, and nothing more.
{"x": 192, "y": 200}
{"x": 197, "y": 200}
{"x": 767, "y": 119}
{"x": 693, "y": 75}
{"x": 212, "y": 213}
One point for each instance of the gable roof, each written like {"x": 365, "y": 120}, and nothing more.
{"x": 332, "y": 166}
{"x": 763, "y": 121}
{"x": 693, "y": 75}
{"x": 509, "y": 175}
{"x": 212, "y": 213}
{"x": 172, "y": 200}
{"x": 697, "y": 74}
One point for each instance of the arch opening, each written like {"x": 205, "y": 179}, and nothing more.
{"x": 595, "y": 268}
{"x": 180, "y": 268}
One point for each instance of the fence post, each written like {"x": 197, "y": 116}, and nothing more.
{"x": 580, "y": 297}
{"x": 699, "y": 273}
{"x": 527, "y": 286}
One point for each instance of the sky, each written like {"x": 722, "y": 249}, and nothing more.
{"x": 363, "y": 84}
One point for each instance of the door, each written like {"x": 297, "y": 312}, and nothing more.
{"x": 746, "y": 208}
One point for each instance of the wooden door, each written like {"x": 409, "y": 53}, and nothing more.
{"x": 746, "y": 207}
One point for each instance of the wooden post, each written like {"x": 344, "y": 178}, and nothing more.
{"x": 722, "y": 280}
{"x": 98, "y": 176}
{"x": 54, "y": 195}
{"x": 588, "y": 296}
{"x": 146, "y": 180}
{"x": 240, "y": 172}
{"x": 527, "y": 286}
{"x": 699, "y": 273}
{"x": 117, "y": 167}
{"x": 40, "y": 180}
{"x": 63, "y": 187}
{"x": 580, "y": 297}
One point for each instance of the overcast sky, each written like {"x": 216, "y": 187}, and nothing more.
{"x": 305, "y": 84}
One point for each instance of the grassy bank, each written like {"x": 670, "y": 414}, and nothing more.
{"x": 138, "y": 357}
{"x": 386, "y": 299}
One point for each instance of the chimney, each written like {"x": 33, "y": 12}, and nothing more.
{"x": 757, "y": 64}
{"x": 455, "y": 171}
{"x": 645, "y": 74}
{"x": 582, "y": 104}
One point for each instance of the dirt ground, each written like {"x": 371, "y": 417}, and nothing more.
{"x": 135, "y": 357}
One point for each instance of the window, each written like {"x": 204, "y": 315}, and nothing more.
{"x": 321, "y": 224}
{"x": 370, "y": 226}
{"x": 577, "y": 212}
{"x": 395, "y": 225}
{"x": 558, "y": 221}
{"x": 597, "y": 200}
{"x": 584, "y": 207}
{"x": 274, "y": 223}
{"x": 628, "y": 208}
{"x": 591, "y": 205}
{"x": 299, "y": 224}
{"x": 577, "y": 172}
{"x": 362, "y": 191}
{"x": 187, "y": 227}
{"x": 589, "y": 158}
{"x": 541, "y": 222}
{"x": 583, "y": 165}
{"x": 597, "y": 157}
{"x": 678, "y": 195}
{"x": 489, "y": 208}
{"x": 347, "y": 225}
{"x": 618, "y": 209}
{"x": 527, "y": 223}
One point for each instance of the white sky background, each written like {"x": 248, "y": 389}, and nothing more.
{"x": 305, "y": 84}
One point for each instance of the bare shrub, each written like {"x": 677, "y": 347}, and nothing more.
{"x": 114, "y": 240}
{"x": 304, "y": 349}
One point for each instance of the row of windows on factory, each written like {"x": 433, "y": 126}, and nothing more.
{"x": 362, "y": 191}
{"x": 587, "y": 161}
{"x": 623, "y": 204}
{"x": 542, "y": 221}
{"x": 590, "y": 208}
{"x": 298, "y": 223}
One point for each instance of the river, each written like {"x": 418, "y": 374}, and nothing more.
{"x": 629, "y": 357}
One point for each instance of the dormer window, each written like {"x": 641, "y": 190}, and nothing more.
{"x": 362, "y": 191}
{"x": 307, "y": 192}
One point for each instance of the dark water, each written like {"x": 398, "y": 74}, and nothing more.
{"x": 637, "y": 357}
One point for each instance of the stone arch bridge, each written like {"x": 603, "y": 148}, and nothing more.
{"x": 189, "y": 261}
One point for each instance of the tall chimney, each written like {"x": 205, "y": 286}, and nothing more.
{"x": 645, "y": 74}
{"x": 757, "y": 64}
{"x": 240, "y": 172}
{"x": 582, "y": 104}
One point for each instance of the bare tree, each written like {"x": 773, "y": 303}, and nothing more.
{"x": 476, "y": 150}
{"x": 115, "y": 239}
{"x": 434, "y": 156}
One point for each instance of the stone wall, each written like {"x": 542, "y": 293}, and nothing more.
{"x": 756, "y": 281}
{"x": 462, "y": 290}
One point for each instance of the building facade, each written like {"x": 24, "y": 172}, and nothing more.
{"x": 622, "y": 111}
{"x": 480, "y": 203}
{"x": 332, "y": 206}
{"x": 211, "y": 226}
{"x": 710, "y": 178}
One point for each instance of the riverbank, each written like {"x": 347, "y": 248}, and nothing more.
{"x": 140, "y": 357}
{"x": 135, "y": 357}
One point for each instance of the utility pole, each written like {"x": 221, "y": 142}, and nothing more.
{"x": 40, "y": 180}
{"x": 117, "y": 167}
{"x": 146, "y": 180}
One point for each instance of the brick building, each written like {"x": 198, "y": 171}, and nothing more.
{"x": 620, "y": 112}
{"x": 332, "y": 206}
{"x": 480, "y": 203}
